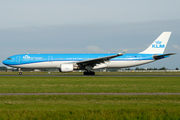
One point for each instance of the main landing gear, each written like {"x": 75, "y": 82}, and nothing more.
{"x": 89, "y": 73}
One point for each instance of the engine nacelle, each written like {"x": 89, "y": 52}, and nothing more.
{"x": 66, "y": 68}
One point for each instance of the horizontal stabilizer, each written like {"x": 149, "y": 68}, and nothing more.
{"x": 157, "y": 57}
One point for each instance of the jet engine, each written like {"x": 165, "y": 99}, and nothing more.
{"x": 66, "y": 68}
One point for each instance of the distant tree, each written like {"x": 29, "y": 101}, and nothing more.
{"x": 137, "y": 68}
{"x": 141, "y": 69}
{"x": 149, "y": 68}
{"x": 155, "y": 68}
{"x": 163, "y": 68}
{"x": 177, "y": 68}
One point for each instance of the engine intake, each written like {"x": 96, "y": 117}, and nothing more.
{"x": 66, "y": 68}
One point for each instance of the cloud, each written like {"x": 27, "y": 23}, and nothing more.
{"x": 64, "y": 12}
{"x": 176, "y": 47}
{"x": 94, "y": 49}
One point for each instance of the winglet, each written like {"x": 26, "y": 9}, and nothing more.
{"x": 123, "y": 52}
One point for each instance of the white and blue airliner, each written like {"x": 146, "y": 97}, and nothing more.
{"x": 88, "y": 62}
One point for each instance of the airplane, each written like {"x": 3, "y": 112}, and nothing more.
{"x": 89, "y": 62}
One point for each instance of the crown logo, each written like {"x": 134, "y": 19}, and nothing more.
{"x": 158, "y": 42}
{"x": 26, "y": 56}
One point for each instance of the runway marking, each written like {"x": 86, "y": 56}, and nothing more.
{"x": 89, "y": 94}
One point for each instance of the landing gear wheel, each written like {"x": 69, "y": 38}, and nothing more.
{"x": 20, "y": 73}
{"x": 89, "y": 73}
{"x": 85, "y": 73}
{"x": 92, "y": 73}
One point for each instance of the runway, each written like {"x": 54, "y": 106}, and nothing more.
{"x": 60, "y": 75}
{"x": 1, "y": 94}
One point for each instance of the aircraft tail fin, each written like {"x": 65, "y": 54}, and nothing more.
{"x": 159, "y": 45}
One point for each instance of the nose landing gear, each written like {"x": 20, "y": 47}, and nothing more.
{"x": 20, "y": 72}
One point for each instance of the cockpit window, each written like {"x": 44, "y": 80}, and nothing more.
{"x": 8, "y": 58}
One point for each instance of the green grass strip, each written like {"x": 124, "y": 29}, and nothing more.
{"x": 89, "y": 84}
{"x": 90, "y": 107}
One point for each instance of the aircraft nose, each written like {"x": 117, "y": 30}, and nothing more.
{"x": 4, "y": 62}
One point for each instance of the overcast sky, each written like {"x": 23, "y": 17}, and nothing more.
{"x": 88, "y": 26}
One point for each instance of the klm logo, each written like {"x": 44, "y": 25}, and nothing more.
{"x": 158, "y": 45}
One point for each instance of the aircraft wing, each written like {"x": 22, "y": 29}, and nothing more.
{"x": 157, "y": 57}
{"x": 93, "y": 62}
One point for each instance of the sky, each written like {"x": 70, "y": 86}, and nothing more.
{"x": 88, "y": 26}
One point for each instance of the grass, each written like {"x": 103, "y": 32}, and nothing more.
{"x": 89, "y": 84}
{"x": 129, "y": 107}
{"x": 90, "y": 107}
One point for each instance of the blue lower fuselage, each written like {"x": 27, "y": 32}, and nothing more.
{"x": 54, "y": 60}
